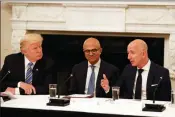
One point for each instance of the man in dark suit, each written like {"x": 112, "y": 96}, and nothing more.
{"x": 30, "y": 72}
{"x": 94, "y": 76}
{"x": 143, "y": 85}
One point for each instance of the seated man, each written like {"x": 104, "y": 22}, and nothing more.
{"x": 94, "y": 76}
{"x": 30, "y": 72}
{"x": 140, "y": 78}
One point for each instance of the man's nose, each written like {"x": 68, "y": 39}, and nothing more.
{"x": 90, "y": 53}
{"x": 39, "y": 50}
{"x": 129, "y": 57}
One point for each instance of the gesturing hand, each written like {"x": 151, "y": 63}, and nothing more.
{"x": 105, "y": 83}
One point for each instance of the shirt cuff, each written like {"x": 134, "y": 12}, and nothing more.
{"x": 107, "y": 90}
{"x": 17, "y": 91}
{"x": 19, "y": 83}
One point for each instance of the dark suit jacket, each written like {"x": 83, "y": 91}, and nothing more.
{"x": 78, "y": 81}
{"x": 42, "y": 73}
{"x": 163, "y": 92}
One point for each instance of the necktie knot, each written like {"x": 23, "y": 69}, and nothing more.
{"x": 30, "y": 64}
{"x": 140, "y": 71}
{"x": 92, "y": 67}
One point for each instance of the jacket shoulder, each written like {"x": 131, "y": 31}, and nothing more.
{"x": 158, "y": 68}
{"x": 80, "y": 65}
{"x": 13, "y": 56}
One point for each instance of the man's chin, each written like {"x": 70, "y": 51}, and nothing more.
{"x": 39, "y": 57}
{"x": 133, "y": 64}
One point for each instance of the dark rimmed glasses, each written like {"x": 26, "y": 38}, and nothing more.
{"x": 92, "y": 51}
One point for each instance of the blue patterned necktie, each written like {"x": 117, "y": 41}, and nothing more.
{"x": 29, "y": 73}
{"x": 91, "y": 86}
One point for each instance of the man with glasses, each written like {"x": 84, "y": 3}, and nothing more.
{"x": 94, "y": 76}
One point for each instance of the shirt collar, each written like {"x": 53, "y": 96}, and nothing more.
{"x": 96, "y": 65}
{"x": 27, "y": 61}
{"x": 147, "y": 66}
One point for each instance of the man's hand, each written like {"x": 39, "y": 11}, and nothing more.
{"x": 28, "y": 88}
{"x": 105, "y": 83}
{"x": 11, "y": 90}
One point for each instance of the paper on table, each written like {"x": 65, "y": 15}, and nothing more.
{"x": 79, "y": 96}
{"x": 9, "y": 94}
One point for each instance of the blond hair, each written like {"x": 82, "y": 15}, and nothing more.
{"x": 30, "y": 39}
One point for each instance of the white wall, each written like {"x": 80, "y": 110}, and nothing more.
{"x": 6, "y": 31}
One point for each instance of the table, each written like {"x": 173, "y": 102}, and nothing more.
{"x": 35, "y": 105}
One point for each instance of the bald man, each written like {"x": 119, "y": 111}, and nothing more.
{"x": 30, "y": 72}
{"x": 140, "y": 78}
{"x": 94, "y": 76}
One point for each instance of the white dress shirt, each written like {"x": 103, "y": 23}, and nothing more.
{"x": 89, "y": 71}
{"x": 144, "y": 74}
{"x": 17, "y": 92}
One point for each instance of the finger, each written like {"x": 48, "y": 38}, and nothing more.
{"x": 26, "y": 91}
{"x": 104, "y": 76}
{"x": 29, "y": 91}
{"x": 101, "y": 84}
{"x": 34, "y": 91}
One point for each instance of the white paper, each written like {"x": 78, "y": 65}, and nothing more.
{"x": 79, "y": 96}
{"x": 9, "y": 94}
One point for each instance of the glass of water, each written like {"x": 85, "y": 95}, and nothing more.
{"x": 115, "y": 92}
{"x": 52, "y": 90}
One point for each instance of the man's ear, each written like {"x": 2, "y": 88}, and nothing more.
{"x": 23, "y": 51}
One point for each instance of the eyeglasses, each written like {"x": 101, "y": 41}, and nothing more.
{"x": 92, "y": 51}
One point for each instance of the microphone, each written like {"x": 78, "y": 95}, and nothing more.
{"x": 154, "y": 107}
{"x": 4, "y": 98}
{"x": 61, "y": 85}
{"x": 156, "y": 89}
{"x": 71, "y": 75}
{"x": 8, "y": 72}
{"x": 60, "y": 101}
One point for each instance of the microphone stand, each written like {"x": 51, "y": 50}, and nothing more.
{"x": 0, "y": 87}
{"x": 154, "y": 107}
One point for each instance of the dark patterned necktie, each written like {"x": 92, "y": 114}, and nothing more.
{"x": 29, "y": 73}
{"x": 138, "y": 89}
{"x": 91, "y": 85}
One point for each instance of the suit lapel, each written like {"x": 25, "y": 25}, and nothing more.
{"x": 39, "y": 66}
{"x": 84, "y": 75}
{"x": 150, "y": 78}
{"x": 21, "y": 67}
{"x": 100, "y": 75}
{"x": 132, "y": 79}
